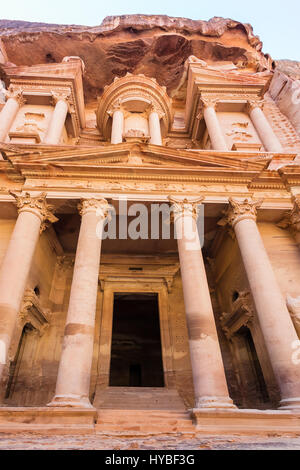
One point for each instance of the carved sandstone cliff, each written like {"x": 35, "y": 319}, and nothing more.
{"x": 285, "y": 90}
{"x": 156, "y": 46}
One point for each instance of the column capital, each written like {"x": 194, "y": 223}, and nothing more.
{"x": 100, "y": 206}
{"x": 37, "y": 205}
{"x": 291, "y": 219}
{"x": 154, "y": 108}
{"x": 116, "y": 106}
{"x": 65, "y": 96}
{"x": 255, "y": 103}
{"x": 58, "y": 95}
{"x": 185, "y": 207}
{"x": 239, "y": 210}
{"x": 16, "y": 94}
{"x": 208, "y": 101}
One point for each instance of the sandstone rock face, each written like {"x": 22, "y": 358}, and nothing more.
{"x": 289, "y": 67}
{"x": 285, "y": 90}
{"x": 156, "y": 46}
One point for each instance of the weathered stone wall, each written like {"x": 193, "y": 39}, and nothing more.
{"x": 285, "y": 91}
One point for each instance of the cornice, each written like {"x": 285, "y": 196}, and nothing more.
{"x": 148, "y": 174}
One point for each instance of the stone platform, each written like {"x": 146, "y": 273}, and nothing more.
{"x": 46, "y": 420}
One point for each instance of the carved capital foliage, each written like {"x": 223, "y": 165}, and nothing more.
{"x": 115, "y": 106}
{"x": 154, "y": 108}
{"x": 238, "y": 211}
{"x": 65, "y": 262}
{"x": 60, "y": 95}
{"x": 255, "y": 103}
{"x": 37, "y": 205}
{"x": 291, "y": 219}
{"x": 185, "y": 207}
{"x": 63, "y": 95}
{"x": 100, "y": 206}
{"x": 208, "y": 101}
{"x": 16, "y": 94}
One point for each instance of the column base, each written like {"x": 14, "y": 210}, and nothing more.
{"x": 214, "y": 402}
{"x": 74, "y": 401}
{"x": 292, "y": 404}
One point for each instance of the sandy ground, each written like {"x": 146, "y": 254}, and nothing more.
{"x": 175, "y": 442}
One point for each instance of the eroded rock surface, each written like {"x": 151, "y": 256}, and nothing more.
{"x": 156, "y": 46}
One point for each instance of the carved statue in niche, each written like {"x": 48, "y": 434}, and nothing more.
{"x": 31, "y": 123}
{"x": 238, "y": 134}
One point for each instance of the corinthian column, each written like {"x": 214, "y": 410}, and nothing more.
{"x": 275, "y": 321}
{"x": 58, "y": 118}
{"x": 207, "y": 367}
{"x": 10, "y": 110}
{"x": 261, "y": 124}
{"x": 33, "y": 212}
{"x": 213, "y": 125}
{"x": 154, "y": 127}
{"x": 73, "y": 380}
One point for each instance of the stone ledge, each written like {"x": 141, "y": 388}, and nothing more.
{"x": 44, "y": 419}
{"x": 246, "y": 421}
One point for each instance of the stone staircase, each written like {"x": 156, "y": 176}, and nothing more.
{"x": 136, "y": 410}
{"x": 139, "y": 398}
{"x": 132, "y": 422}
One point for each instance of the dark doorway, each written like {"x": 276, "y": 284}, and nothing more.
{"x": 136, "y": 357}
{"x": 253, "y": 383}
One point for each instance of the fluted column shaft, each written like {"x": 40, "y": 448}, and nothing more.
{"x": 154, "y": 128}
{"x": 264, "y": 129}
{"x": 215, "y": 133}
{"x": 58, "y": 119}
{"x": 117, "y": 126}
{"x": 9, "y": 112}
{"x": 207, "y": 366}
{"x": 275, "y": 321}
{"x": 33, "y": 211}
{"x": 73, "y": 380}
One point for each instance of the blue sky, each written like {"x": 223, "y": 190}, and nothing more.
{"x": 275, "y": 21}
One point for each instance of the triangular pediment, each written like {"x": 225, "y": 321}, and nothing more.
{"x": 136, "y": 157}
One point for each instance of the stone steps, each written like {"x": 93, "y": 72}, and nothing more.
{"x": 138, "y": 398}
{"x": 143, "y": 421}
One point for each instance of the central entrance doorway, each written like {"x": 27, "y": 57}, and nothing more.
{"x": 136, "y": 353}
